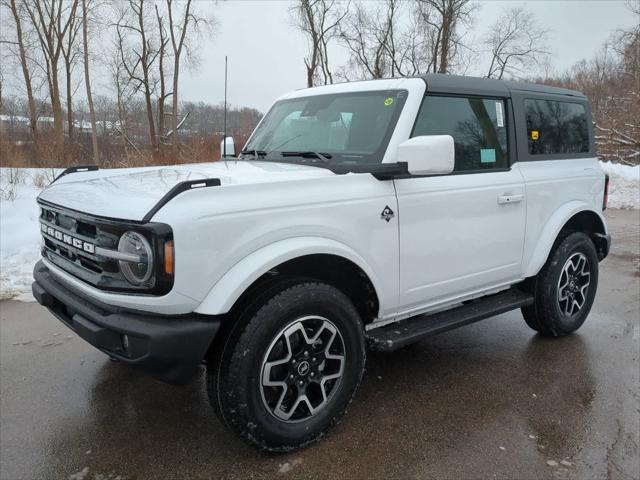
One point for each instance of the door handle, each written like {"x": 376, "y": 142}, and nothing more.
{"x": 505, "y": 199}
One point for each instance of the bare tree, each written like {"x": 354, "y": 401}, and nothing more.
{"x": 70, "y": 55}
{"x": 365, "y": 39}
{"x": 384, "y": 41}
{"x": 87, "y": 81}
{"x": 627, "y": 46}
{"x": 611, "y": 81}
{"x": 122, "y": 84}
{"x": 138, "y": 60}
{"x": 516, "y": 43}
{"x": 17, "y": 14}
{"x": 621, "y": 124}
{"x": 162, "y": 31}
{"x": 444, "y": 20}
{"x": 319, "y": 21}
{"x": 179, "y": 34}
{"x": 51, "y": 20}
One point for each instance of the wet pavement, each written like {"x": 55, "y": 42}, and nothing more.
{"x": 491, "y": 400}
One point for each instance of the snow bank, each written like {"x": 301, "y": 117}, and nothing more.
{"x": 20, "y": 233}
{"x": 624, "y": 185}
{"x": 19, "y": 230}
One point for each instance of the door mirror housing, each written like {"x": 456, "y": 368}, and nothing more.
{"x": 230, "y": 150}
{"x": 428, "y": 154}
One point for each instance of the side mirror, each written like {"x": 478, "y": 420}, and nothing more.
{"x": 428, "y": 154}
{"x": 227, "y": 148}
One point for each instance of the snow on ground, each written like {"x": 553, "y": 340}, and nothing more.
{"x": 20, "y": 233}
{"x": 624, "y": 185}
{"x": 19, "y": 230}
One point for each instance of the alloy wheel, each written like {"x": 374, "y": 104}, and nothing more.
{"x": 302, "y": 368}
{"x": 573, "y": 285}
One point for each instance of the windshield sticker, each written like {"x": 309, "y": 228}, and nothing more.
{"x": 499, "y": 114}
{"x": 487, "y": 155}
{"x": 388, "y": 101}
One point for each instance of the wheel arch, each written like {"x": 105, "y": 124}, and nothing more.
{"x": 321, "y": 259}
{"x": 574, "y": 216}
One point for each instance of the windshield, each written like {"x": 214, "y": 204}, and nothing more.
{"x": 337, "y": 129}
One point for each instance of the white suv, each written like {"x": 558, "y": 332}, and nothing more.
{"x": 368, "y": 213}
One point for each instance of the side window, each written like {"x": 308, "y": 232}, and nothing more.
{"x": 556, "y": 127}
{"x": 477, "y": 125}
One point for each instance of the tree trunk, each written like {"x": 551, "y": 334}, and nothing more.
{"x": 122, "y": 117}
{"x": 152, "y": 128}
{"x": 67, "y": 66}
{"x": 146, "y": 81}
{"x": 58, "y": 121}
{"x": 33, "y": 119}
{"x": 447, "y": 19}
{"x": 174, "y": 110}
{"x": 161, "y": 52}
{"x": 177, "y": 51}
{"x": 87, "y": 82}
{"x": 161, "y": 110}
{"x": 309, "y": 77}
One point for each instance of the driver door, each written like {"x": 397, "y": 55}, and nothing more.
{"x": 462, "y": 233}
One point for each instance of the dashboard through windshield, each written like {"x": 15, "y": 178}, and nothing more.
{"x": 335, "y": 129}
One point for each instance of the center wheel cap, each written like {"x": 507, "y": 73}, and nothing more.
{"x": 303, "y": 368}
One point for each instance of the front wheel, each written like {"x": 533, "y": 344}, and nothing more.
{"x": 565, "y": 288}
{"x": 290, "y": 368}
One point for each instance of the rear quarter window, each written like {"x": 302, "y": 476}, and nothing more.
{"x": 556, "y": 127}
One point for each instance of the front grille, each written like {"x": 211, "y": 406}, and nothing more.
{"x": 70, "y": 240}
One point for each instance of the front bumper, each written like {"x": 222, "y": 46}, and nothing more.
{"x": 169, "y": 347}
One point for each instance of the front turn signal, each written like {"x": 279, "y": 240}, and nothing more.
{"x": 168, "y": 257}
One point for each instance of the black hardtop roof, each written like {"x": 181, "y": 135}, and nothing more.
{"x": 457, "y": 84}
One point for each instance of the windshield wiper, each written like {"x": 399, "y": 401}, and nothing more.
{"x": 256, "y": 153}
{"x": 325, "y": 157}
{"x": 262, "y": 153}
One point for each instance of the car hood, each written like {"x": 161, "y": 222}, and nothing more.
{"x": 131, "y": 193}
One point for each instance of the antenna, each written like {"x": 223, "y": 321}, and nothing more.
{"x": 224, "y": 140}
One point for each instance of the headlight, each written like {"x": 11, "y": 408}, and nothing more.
{"x": 139, "y": 271}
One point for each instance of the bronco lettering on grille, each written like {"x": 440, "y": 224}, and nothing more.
{"x": 68, "y": 239}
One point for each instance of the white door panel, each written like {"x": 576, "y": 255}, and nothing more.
{"x": 459, "y": 233}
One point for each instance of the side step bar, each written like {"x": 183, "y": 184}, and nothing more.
{"x": 397, "y": 335}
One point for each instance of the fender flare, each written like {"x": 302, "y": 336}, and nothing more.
{"x": 238, "y": 278}
{"x": 551, "y": 230}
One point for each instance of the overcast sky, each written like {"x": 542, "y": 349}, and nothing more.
{"x": 266, "y": 52}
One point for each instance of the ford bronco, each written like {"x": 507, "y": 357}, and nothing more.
{"x": 360, "y": 215}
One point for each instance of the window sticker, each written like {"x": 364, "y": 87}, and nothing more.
{"x": 388, "y": 101}
{"x": 499, "y": 114}
{"x": 487, "y": 155}
{"x": 535, "y": 134}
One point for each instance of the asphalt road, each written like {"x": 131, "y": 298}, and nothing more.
{"x": 491, "y": 400}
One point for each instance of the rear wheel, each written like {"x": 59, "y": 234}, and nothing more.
{"x": 290, "y": 368}
{"x": 565, "y": 287}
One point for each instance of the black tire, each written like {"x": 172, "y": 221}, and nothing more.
{"x": 554, "y": 317}
{"x": 234, "y": 379}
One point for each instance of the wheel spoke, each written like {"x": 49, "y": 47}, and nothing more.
{"x": 306, "y": 377}
{"x": 583, "y": 295}
{"x": 562, "y": 286}
{"x": 569, "y": 307}
{"x": 573, "y": 284}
